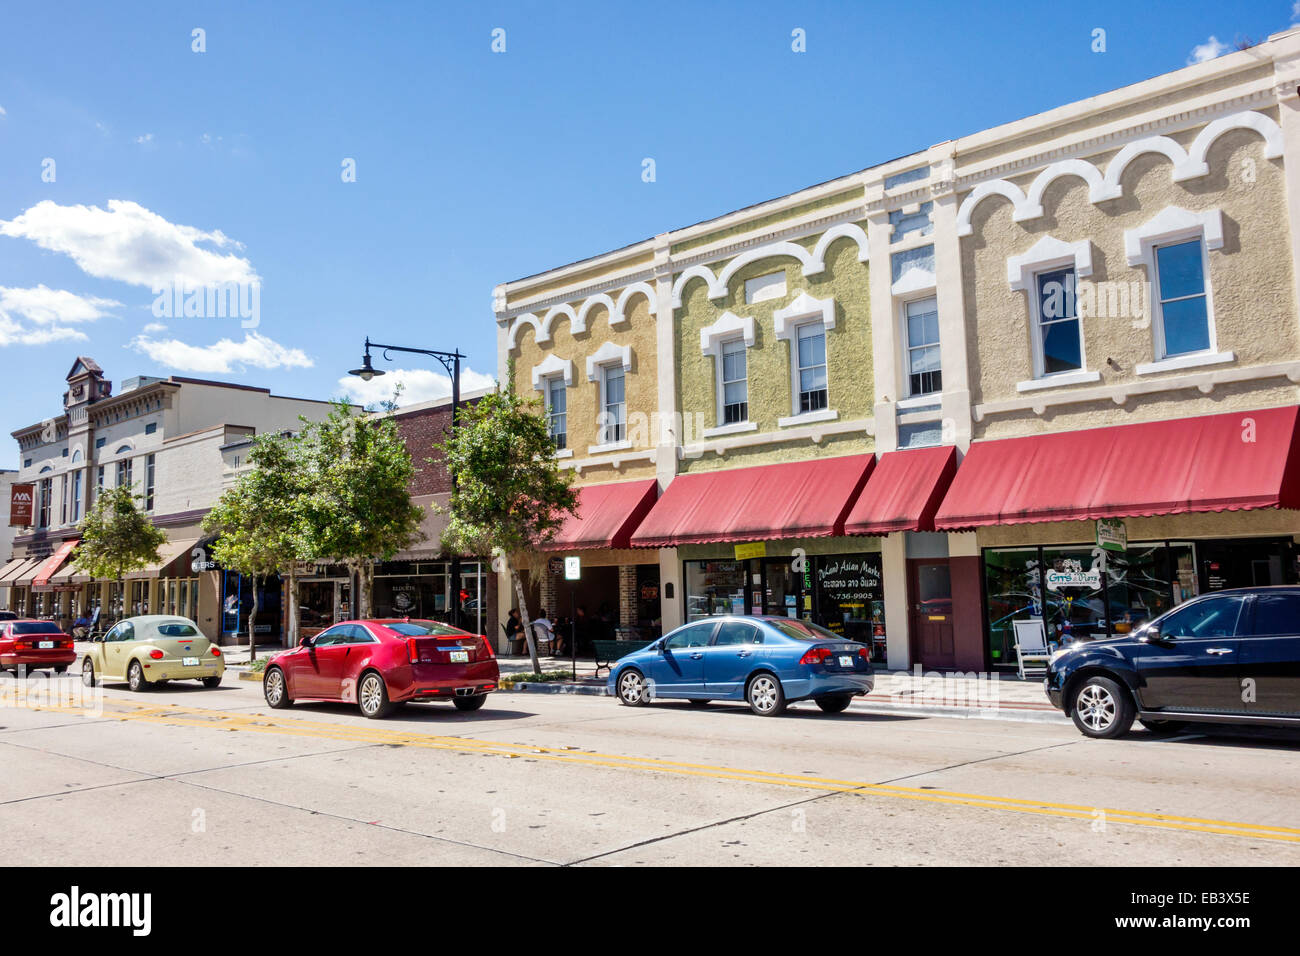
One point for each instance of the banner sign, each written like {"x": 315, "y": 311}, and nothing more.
{"x": 22, "y": 499}
{"x": 756, "y": 550}
{"x": 1111, "y": 534}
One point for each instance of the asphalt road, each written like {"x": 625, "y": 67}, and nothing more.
{"x": 182, "y": 775}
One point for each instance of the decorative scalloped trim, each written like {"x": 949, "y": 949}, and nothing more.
{"x": 1187, "y": 164}
{"x": 552, "y": 365}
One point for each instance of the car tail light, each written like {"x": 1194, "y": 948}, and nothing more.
{"x": 216, "y": 651}
{"x": 412, "y": 651}
{"x": 156, "y": 654}
{"x": 864, "y": 653}
{"x": 487, "y": 654}
{"x": 815, "y": 655}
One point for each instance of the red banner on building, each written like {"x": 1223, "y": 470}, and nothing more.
{"x": 22, "y": 499}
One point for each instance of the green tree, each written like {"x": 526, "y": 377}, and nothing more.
{"x": 358, "y": 509}
{"x": 511, "y": 495}
{"x": 259, "y": 522}
{"x": 117, "y": 537}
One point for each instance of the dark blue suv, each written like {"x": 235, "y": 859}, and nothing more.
{"x": 1224, "y": 657}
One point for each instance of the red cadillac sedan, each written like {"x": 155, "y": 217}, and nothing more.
{"x": 34, "y": 645}
{"x": 384, "y": 663}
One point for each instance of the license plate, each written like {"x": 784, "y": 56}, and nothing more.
{"x": 45, "y": 645}
{"x": 846, "y": 660}
{"x": 460, "y": 657}
{"x": 189, "y": 662}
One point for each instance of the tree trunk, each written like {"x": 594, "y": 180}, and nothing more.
{"x": 368, "y": 585}
{"x": 523, "y": 614}
{"x": 252, "y": 633}
{"x": 292, "y": 624}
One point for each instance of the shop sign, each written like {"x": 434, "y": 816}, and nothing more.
{"x": 1073, "y": 579}
{"x": 1111, "y": 534}
{"x": 555, "y": 566}
{"x": 757, "y": 549}
{"x": 21, "y": 501}
{"x": 572, "y": 568}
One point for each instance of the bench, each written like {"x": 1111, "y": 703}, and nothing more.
{"x": 610, "y": 651}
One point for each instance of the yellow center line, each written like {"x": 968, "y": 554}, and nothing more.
{"x": 174, "y": 715}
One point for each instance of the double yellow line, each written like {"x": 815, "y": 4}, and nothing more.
{"x": 176, "y": 716}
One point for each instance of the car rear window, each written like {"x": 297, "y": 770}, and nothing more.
{"x": 178, "y": 629}
{"x": 805, "y": 631}
{"x": 423, "y": 629}
{"x": 37, "y": 627}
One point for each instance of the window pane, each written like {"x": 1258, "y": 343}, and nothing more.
{"x": 1187, "y": 327}
{"x": 613, "y": 386}
{"x": 812, "y": 346}
{"x": 1056, "y": 295}
{"x": 811, "y": 379}
{"x": 1277, "y": 614}
{"x": 1180, "y": 270}
{"x": 923, "y": 322}
{"x": 1061, "y": 351}
{"x": 733, "y": 362}
{"x": 1216, "y": 617}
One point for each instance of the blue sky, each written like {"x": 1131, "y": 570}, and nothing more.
{"x": 472, "y": 167}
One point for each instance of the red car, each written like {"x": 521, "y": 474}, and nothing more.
{"x": 35, "y": 644}
{"x": 380, "y": 664}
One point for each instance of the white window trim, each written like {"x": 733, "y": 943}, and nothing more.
{"x": 915, "y": 279}
{"x": 805, "y": 310}
{"x": 549, "y": 368}
{"x": 1047, "y": 255}
{"x": 1172, "y": 225}
{"x": 905, "y": 378}
{"x": 728, "y": 329}
{"x": 608, "y": 354}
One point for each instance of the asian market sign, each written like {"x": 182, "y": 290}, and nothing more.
{"x": 21, "y": 501}
{"x": 1073, "y": 579}
{"x": 1111, "y": 534}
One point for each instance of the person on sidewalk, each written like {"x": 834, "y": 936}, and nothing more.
{"x": 515, "y": 631}
{"x": 544, "y": 630}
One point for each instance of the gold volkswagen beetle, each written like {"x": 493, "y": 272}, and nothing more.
{"x": 151, "y": 649}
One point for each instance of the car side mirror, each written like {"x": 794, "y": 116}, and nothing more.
{"x": 304, "y": 641}
{"x": 1152, "y": 635}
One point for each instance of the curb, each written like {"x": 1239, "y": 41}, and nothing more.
{"x": 1011, "y": 713}
{"x": 559, "y": 687}
{"x": 248, "y": 675}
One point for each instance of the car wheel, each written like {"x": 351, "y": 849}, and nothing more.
{"x": 372, "y": 695}
{"x": 699, "y": 703}
{"x": 470, "y": 703}
{"x": 88, "y": 673}
{"x": 211, "y": 682}
{"x": 835, "y": 703}
{"x": 275, "y": 690}
{"x": 765, "y": 696}
{"x": 1162, "y": 726}
{"x": 632, "y": 689}
{"x": 135, "y": 677}
{"x": 1102, "y": 708}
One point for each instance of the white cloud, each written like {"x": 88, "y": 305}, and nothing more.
{"x": 129, "y": 243}
{"x": 418, "y": 385}
{"x": 154, "y": 327}
{"x": 39, "y": 315}
{"x": 144, "y": 140}
{"x": 2, "y": 111}
{"x": 1207, "y": 51}
{"x": 227, "y": 355}
{"x": 1295, "y": 11}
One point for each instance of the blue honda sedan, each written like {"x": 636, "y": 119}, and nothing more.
{"x": 768, "y": 662}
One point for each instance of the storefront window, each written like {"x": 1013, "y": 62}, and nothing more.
{"x": 316, "y": 605}
{"x": 850, "y": 599}
{"x": 1076, "y": 599}
{"x": 716, "y": 587}
{"x": 1014, "y": 590}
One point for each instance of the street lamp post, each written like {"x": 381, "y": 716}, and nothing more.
{"x": 451, "y": 362}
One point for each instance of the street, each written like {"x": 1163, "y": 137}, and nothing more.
{"x": 182, "y": 776}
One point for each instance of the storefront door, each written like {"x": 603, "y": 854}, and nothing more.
{"x": 930, "y": 593}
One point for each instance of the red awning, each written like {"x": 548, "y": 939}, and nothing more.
{"x": 52, "y": 564}
{"x": 1229, "y": 462}
{"x": 805, "y": 499}
{"x": 607, "y": 515}
{"x": 903, "y": 491}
